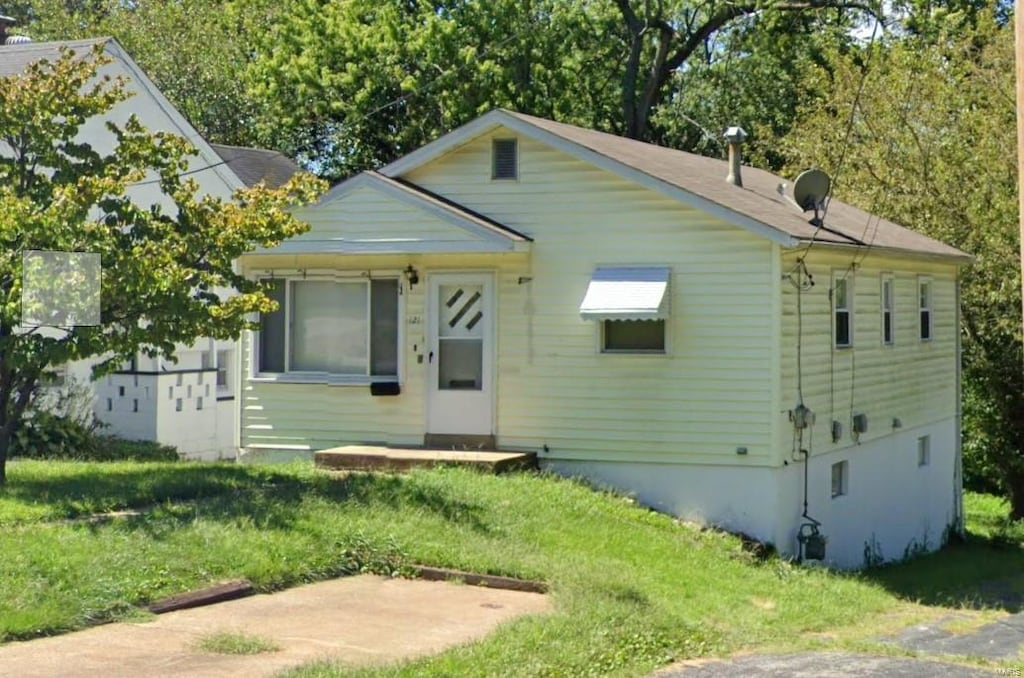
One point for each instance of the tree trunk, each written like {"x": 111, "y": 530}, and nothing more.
{"x": 1015, "y": 485}
{"x": 5, "y": 445}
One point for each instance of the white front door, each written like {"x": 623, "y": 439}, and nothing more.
{"x": 460, "y": 388}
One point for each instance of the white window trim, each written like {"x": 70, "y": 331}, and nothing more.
{"x": 847, "y": 280}
{"x": 327, "y": 378}
{"x": 891, "y": 280}
{"x": 930, "y": 308}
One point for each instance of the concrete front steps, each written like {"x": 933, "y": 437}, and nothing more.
{"x": 374, "y": 458}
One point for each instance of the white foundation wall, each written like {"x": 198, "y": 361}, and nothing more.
{"x": 735, "y": 499}
{"x": 178, "y": 404}
{"x": 893, "y": 508}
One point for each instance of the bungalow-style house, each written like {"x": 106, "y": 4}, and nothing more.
{"x": 633, "y": 317}
{"x": 189, "y": 403}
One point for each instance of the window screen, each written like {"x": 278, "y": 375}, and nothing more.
{"x": 633, "y": 336}
{"x": 328, "y": 327}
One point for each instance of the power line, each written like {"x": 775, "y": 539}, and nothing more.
{"x": 186, "y": 173}
{"x": 431, "y": 84}
{"x": 846, "y": 137}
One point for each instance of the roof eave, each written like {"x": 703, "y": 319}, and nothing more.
{"x": 958, "y": 259}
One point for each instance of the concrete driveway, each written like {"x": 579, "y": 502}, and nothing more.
{"x": 821, "y": 665}
{"x": 361, "y": 621}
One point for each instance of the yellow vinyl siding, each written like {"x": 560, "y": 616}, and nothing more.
{"x": 316, "y": 416}
{"x": 367, "y": 213}
{"x": 710, "y": 394}
{"x": 911, "y": 380}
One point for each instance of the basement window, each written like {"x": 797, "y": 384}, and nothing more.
{"x": 924, "y": 450}
{"x": 840, "y": 478}
{"x": 505, "y": 160}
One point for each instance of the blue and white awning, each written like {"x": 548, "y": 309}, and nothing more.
{"x": 627, "y": 294}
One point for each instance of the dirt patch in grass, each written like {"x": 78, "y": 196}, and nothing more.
{"x": 231, "y": 642}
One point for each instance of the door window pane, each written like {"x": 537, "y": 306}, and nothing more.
{"x": 461, "y": 366}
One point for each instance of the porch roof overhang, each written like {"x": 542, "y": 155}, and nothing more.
{"x": 627, "y": 293}
{"x": 395, "y": 246}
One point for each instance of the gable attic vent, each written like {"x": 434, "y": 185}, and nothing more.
{"x": 505, "y": 163}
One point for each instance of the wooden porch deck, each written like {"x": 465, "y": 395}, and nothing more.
{"x": 374, "y": 458}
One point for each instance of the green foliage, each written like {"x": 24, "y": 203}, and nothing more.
{"x": 379, "y": 79}
{"x": 928, "y": 150}
{"x": 754, "y": 77}
{"x": 168, "y": 273}
{"x": 47, "y": 436}
{"x": 192, "y": 50}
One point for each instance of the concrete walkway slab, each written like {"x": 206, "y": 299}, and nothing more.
{"x": 361, "y": 621}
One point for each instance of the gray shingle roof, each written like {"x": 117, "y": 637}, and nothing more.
{"x": 758, "y": 199}
{"x": 253, "y": 165}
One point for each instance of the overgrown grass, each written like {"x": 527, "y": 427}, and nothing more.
{"x": 226, "y": 642}
{"x": 57, "y": 490}
{"x": 633, "y": 590}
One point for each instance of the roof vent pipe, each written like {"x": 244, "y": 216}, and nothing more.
{"x": 735, "y": 136}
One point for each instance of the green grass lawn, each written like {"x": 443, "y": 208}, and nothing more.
{"x": 632, "y": 590}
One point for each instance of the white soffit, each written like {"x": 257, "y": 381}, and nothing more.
{"x": 627, "y": 293}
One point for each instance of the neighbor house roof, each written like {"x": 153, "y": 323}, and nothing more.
{"x": 14, "y": 59}
{"x": 759, "y": 205}
{"x": 255, "y": 165}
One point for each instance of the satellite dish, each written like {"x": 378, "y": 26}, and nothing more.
{"x": 810, "y": 189}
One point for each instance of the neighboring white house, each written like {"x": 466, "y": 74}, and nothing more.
{"x": 189, "y": 404}
{"x": 631, "y": 316}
